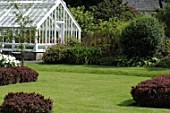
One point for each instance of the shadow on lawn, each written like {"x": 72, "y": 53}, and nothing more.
{"x": 131, "y": 103}
{"x": 128, "y": 103}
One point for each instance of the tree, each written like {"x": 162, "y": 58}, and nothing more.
{"x": 110, "y": 32}
{"x": 164, "y": 16}
{"x": 23, "y": 21}
{"x": 86, "y": 3}
{"x": 112, "y": 8}
{"x": 85, "y": 20}
{"x": 165, "y": 1}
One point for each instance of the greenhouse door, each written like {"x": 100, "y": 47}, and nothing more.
{"x": 61, "y": 31}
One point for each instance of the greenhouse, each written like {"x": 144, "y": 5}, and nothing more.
{"x": 50, "y": 23}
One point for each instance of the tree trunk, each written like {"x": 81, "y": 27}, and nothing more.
{"x": 160, "y": 4}
{"x": 22, "y": 55}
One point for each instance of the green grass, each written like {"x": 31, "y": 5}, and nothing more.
{"x": 88, "y": 89}
{"x": 93, "y": 69}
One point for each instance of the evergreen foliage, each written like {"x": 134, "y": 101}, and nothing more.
{"x": 112, "y": 8}
{"x": 71, "y": 55}
{"x": 86, "y": 3}
{"x": 85, "y": 20}
{"x": 163, "y": 15}
{"x": 142, "y": 38}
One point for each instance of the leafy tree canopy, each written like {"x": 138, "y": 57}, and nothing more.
{"x": 85, "y": 20}
{"x": 112, "y": 8}
{"x": 86, "y": 3}
{"x": 163, "y": 15}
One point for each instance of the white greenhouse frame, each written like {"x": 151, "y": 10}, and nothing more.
{"x": 53, "y": 23}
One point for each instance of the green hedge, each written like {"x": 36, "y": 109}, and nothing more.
{"x": 71, "y": 55}
{"x": 61, "y": 54}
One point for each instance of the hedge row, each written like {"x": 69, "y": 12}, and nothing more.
{"x": 61, "y": 54}
{"x": 12, "y": 75}
{"x": 154, "y": 92}
{"x": 21, "y": 102}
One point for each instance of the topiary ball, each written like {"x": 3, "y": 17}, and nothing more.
{"x": 142, "y": 37}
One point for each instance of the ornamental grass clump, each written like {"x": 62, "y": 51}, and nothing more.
{"x": 21, "y": 102}
{"x": 154, "y": 92}
{"x": 8, "y": 61}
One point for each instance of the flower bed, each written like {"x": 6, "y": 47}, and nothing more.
{"x": 8, "y": 61}
{"x": 11, "y": 72}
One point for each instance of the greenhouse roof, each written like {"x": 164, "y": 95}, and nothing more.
{"x": 36, "y": 10}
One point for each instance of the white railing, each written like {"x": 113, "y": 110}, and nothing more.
{"x": 28, "y": 47}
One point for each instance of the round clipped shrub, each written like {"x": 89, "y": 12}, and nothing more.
{"x": 143, "y": 37}
{"x": 21, "y": 102}
{"x": 25, "y": 74}
{"x": 8, "y": 76}
{"x": 154, "y": 92}
{"x": 12, "y": 75}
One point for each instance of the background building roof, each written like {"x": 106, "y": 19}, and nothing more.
{"x": 143, "y": 5}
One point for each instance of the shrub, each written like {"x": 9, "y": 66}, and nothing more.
{"x": 142, "y": 38}
{"x": 83, "y": 55}
{"x": 55, "y": 54}
{"x": 128, "y": 62}
{"x": 21, "y": 102}
{"x": 107, "y": 61}
{"x": 163, "y": 15}
{"x": 154, "y": 92}
{"x": 167, "y": 46}
{"x": 12, "y": 75}
{"x": 107, "y": 36}
{"x": 7, "y": 76}
{"x": 165, "y": 62}
{"x": 8, "y": 61}
{"x": 71, "y": 55}
{"x": 25, "y": 74}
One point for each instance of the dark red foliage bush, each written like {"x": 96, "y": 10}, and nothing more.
{"x": 21, "y": 102}
{"x": 26, "y": 74}
{"x": 7, "y": 76}
{"x": 11, "y": 75}
{"x": 154, "y": 92}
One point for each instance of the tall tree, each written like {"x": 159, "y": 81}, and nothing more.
{"x": 23, "y": 21}
{"x": 85, "y": 20}
{"x": 110, "y": 8}
{"x": 160, "y": 3}
{"x": 86, "y": 3}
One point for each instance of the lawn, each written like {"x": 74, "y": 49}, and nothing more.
{"x": 88, "y": 89}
